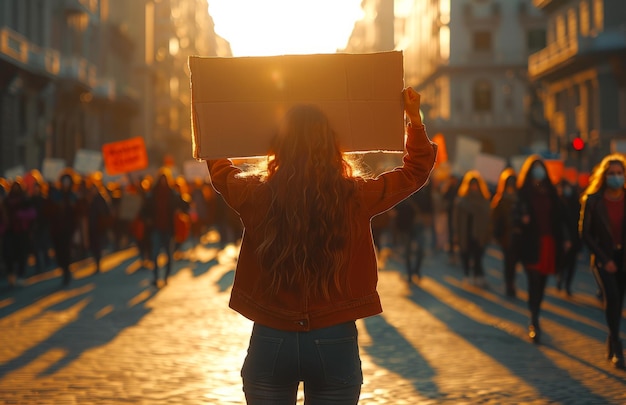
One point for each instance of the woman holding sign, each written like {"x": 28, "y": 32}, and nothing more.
{"x": 307, "y": 267}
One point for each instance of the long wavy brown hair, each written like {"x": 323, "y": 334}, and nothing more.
{"x": 308, "y": 224}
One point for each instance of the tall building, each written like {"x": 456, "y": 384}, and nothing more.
{"x": 75, "y": 74}
{"x": 468, "y": 59}
{"x": 582, "y": 73}
{"x": 375, "y": 31}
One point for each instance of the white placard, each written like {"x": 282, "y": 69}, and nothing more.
{"x": 490, "y": 167}
{"x": 466, "y": 151}
{"x": 52, "y": 168}
{"x": 14, "y": 172}
{"x": 88, "y": 161}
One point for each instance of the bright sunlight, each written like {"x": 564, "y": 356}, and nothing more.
{"x": 283, "y": 27}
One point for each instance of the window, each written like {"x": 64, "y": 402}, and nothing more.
{"x": 585, "y": 20}
{"x": 536, "y": 39}
{"x": 560, "y": 29}
{"x": 598, "y": 14}
{"x": 482, "y": 96}
{"x": 482, "y": 41}
{"x": 572, "y": 23}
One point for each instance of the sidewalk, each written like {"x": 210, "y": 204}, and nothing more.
{"x": 112, "y": 338}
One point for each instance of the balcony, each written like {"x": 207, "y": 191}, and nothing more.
{"x": 13, "y": 45}
{"x": 17, "y": 48}
{"x": 79, "y": 70}
{"x": 576, "y": 52}
{"x": 548, "y": 4}
{"x": 77, "y": 6}
{"x": 105, "y": 89}
{"x": 550, "y": 57}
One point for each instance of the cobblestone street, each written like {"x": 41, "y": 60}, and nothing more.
{"x": 112, "y": 338}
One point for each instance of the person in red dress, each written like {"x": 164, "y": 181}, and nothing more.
{"x": 602, "y": 228}
{"x": 543, "y": 237}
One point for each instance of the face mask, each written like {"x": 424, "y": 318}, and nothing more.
{"x": 538, "y": 173}
{"x": 615, "y": 181}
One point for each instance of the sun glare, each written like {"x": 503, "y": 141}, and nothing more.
{"x": 282, "y": 27}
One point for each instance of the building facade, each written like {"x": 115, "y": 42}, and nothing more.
{"x": 582, "y": 74}
{"x": 468, "y": 59}
{"x": 75, "y": 74}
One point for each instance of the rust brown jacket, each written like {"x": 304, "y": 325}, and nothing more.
{"x": 290, "y": 309}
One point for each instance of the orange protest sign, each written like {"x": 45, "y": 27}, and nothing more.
{"x": 125, "y": 156}
{"x": 555, "y": 170}
{"x": 442, "y": 151}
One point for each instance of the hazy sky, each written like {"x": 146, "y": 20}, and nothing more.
{"x": 277, "y": 27}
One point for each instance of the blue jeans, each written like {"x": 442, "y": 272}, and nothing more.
{"x": 326, "y": 360}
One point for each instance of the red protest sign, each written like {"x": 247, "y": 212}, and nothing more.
{"x": 125, "y": 156}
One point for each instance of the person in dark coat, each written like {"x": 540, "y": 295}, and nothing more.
{"x": 41, "y": 227}
{"x": 20, "y": 216}
{"x": 539, "y": 214}
{"x": 63, "y": 216}
{"x": 603, "y": 229}
{"x": 160, "y": 205}
{"x": 410, "y": 230}
{"x": 504, "y": 231}
{"x": 472, "y": 225}
{"x": 449, "y": 197}
{"x": 99, "y": 219}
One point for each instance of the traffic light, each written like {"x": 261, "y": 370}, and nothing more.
{"x": 578, "y": 144}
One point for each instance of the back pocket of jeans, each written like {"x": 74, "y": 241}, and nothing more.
{"x": 260, "y": 361}
{"x": 340, "y": 360}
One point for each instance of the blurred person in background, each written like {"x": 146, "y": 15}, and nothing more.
{"x": 603, "y": 230}
{"x": 539, "y": 214}
{"x": 141, "y": 228}
{"x": 41, "y": 227}
{"x": 99, "y": 218}
{"x": 80, "y": 238}
{"x": 20, "y": 216}
{"x": 63, "y": 216}
{"x": 410, "y": 232}
{"x": 199, "y": 210}
{"x": 450, "y": 190}
{"x": 570, "y": 195}
{"x": 160, "y": 206}
{"x": 472, "y": 225}
{"x": 504, "y": 231}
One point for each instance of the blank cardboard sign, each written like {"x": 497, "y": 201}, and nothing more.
{"x": 237, "y": 103}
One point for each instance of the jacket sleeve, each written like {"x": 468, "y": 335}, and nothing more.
{"x": 388, "y": 189}
{"x": 225, "y": 181}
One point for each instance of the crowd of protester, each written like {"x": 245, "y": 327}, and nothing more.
{"x": 539, "y": 226}
{"x": 46, "y": 225}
